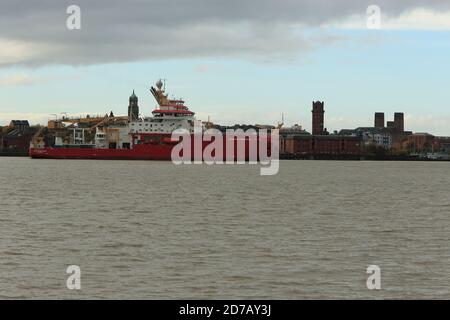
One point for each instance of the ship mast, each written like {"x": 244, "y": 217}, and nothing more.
{"x": 159, "y": 93}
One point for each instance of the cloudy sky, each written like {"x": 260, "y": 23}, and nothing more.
{"x": 243, "y": 61}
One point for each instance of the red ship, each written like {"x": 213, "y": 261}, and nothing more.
{"x": 132, "y": 137}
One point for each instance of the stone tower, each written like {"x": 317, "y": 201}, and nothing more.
{"x": 318, "y": 112}
{"x": 379, "y": 120}
{"x": 399, "y": 122}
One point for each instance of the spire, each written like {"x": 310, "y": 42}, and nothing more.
{"x": 133, "y": 97}
{"x": 133, "y": 108}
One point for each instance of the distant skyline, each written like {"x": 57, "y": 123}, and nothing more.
{"x": 234, "y": 61}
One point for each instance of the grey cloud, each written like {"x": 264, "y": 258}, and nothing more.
{"x": 134, "y": 30}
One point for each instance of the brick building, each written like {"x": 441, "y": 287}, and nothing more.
{"x": 16, "y": 137}
{"x": 321, "y": 145}
{"x": 419, "y": 143}
{"x": 441, "y": 144}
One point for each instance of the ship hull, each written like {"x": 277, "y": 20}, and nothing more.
{"x": 154, "y": 153}
{"x": 161, "y": 152}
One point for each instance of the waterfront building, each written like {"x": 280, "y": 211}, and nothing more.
{"x": 297, "y": 142}
{"x": 325, "y": 145}
{"x": 370, "y": 136}
{"x": 441, "y": 144}
{"x": 419, "y": 143}
{"x": 16, "y": 137}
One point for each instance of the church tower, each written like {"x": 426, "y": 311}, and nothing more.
{"x": 133, "y": 108}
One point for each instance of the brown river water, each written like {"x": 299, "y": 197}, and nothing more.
{"x": 153, "y": 230}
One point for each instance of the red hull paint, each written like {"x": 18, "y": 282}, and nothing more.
{"x": 155, "y": 152}
{"x": 161, "y": 152}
